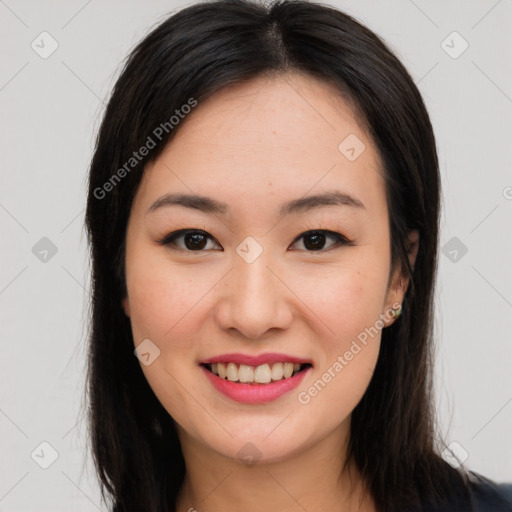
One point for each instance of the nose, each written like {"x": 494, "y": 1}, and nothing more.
{"x": 254, "y": 300}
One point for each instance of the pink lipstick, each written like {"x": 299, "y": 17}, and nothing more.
{"x": 255, "y": 379}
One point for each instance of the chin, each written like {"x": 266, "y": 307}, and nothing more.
{"x": 250, "y": 452}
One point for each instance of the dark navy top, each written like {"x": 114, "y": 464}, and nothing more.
{"x": 478, "y": 494}
{"x": 489, "y": 496}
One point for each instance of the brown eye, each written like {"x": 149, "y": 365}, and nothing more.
{"x": 315, "y": 240}
{"x": 195, "y": 241}
{"x": 188, "y": 240}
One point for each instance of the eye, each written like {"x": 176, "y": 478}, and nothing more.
{"x": 197, "y": 240}
{"x": 192, "y": 239}
{"x": 315, "y": 240}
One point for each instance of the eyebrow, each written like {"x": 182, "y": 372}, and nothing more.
{"x": 209, "y": 205}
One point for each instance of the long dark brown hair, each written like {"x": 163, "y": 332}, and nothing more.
{"x": 195, "y": 53}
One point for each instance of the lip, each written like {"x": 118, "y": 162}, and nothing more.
{"x": 256, "y": 360}
{"x": 255, "y": 393}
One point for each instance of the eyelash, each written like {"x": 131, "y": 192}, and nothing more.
{"x": 169, "y": 240}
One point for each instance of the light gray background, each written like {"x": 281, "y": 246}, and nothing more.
{"x": 50, "y": 113}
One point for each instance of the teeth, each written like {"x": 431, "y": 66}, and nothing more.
{"x": 277, "y": 371}
{"x": 232, "y": 372}
{"x": 262, "y": 374}
{"x": 287, "y": 370}
{"x": 245, "y": 373}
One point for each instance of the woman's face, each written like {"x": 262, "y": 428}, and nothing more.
{"x": 248, "y": 286}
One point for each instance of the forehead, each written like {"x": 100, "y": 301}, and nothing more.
{"x": 273, "y": 136}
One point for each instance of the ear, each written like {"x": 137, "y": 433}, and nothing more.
{"x": 400, "y": 283}
{"x": 413, "y": 246}
{"x": 126, "y": 306}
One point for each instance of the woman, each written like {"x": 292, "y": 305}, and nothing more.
{"x": 263, "y": 215}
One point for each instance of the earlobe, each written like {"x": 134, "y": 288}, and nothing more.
{"x": 126, "y": 306}
{"x": 400, "y": 283}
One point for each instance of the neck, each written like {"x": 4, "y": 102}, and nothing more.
{"x": 316, "y": 479}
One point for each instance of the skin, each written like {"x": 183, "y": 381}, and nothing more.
{"x": 255, "y": 146}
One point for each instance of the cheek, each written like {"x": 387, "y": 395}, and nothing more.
{"x": 339, "y": 386}
{"x": 165, "y": 301}
{"x": 349, "y": 304}
{"x": 346, "y": 299}
{"x": 168, "y": 307}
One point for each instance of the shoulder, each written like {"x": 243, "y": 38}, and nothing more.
{"x": 464, "y": 490}
{"x": 487, "y": 495}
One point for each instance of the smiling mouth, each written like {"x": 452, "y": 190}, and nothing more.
{"x": 256, "y": 375}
